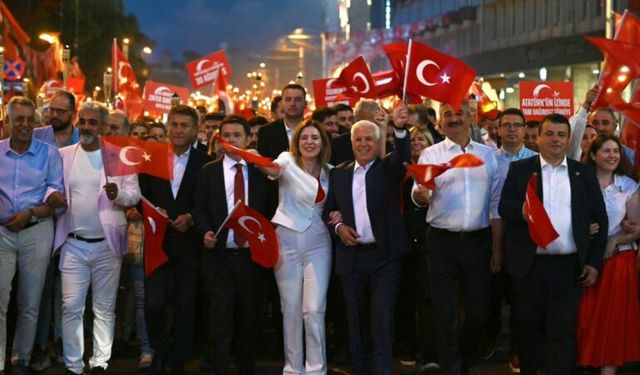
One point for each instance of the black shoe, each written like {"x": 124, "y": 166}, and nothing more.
{"x": 157, "y": 365}
{"x": 19, "y": 369}
{"x": 98, "y": 370}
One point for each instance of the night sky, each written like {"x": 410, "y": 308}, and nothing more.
{"x": 248, "y": 27}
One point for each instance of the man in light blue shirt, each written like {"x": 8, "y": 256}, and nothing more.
{"x": 31, "y": 174}
{"x": 511, "y": 131}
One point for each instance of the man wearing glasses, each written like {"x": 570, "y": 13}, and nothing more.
{"x": 60, "y": 132}
{"x": 511, "y": 133}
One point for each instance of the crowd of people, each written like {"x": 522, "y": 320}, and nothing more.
{"x": 369, "y": 259}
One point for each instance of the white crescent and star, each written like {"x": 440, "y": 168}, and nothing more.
{"x": 420, "y": 73}
{"x": 364, "y": 80}
{"x": 125, "y": 160}
{"x": 537, "y": 89}
{"x": 242, "y": 220}
{"x": 201, "y": 64}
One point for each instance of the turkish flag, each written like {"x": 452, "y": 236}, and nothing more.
{"x": 622, "y": 66}
{"x": 125, "y": 83}
{"x": 220, "y": 89}
{"x": 128, "y": 155}
{"x": 155, "y": 225}
{"x": 258, "y": 231}
{"x": 486, "y": 106}
{"x": 425, "y": 174}
{"x": 541, "y": 229}
{"x": 249, "y": 156}
{"x": 438, "y": 76}
{"x": 357, "y": 78}
{"x": 397, "y": 55}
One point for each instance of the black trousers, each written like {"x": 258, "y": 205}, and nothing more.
{"x": 174, "y": 285}
{"x": 459, "y": 267}
{"x": 546, "y": 312}
{"x": 501, "y": 290}
{"x": 370, "y": 294}
{"x": 235, "y": 287}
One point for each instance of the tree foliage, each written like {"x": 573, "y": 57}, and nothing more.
{"x": 98, "y": 22}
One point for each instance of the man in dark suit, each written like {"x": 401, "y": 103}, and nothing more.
{"x": 181, "y": 243}
{"x": 234, "y": 283}
{"x": 274, "y": 137}
{"x": 547, "y": 282}
{"x": 370, "y": 240}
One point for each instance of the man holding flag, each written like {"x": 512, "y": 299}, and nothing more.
{"x": 181, "y": 243}
{"x": 548, "y": 202}
{"x": 234, "y": 283}
{"x": 92, "y": 234}
{"x": 462, "y": 214}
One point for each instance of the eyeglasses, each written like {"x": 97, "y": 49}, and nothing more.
{"x": 58, "y": 111}
{"x": 512, "y": 125}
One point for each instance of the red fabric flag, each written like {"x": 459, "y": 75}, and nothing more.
{"x": 541, "y": 229}
{"x": 11, "y": 29}
{"x": 622, "y": 66}
{"x": 258, "y": 231}
{"x": 630, "y": 131}
{"x": 486, "y": 107}
{"x": 250, "y": 157}
{"x": 357, "y": 78}
{"x": 127, "y": 155}
{"x": 125, "y": 83}
{"x": 425, "y": 174}
{"x": 438, "y": 76}
{"x": 627, "y": 31}
{"x": 397, "y": 55}
{"x": 155, "y": 225}
{"x": 220, "y": 89}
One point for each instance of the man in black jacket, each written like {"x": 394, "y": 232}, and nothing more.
{"x": 547, "y": 282}
{"x": 181, "y": 243}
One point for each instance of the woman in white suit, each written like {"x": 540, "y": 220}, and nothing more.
{"x": 304, "y": 267}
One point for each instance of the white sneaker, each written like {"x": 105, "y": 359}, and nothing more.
{"x": 430, "y": 366}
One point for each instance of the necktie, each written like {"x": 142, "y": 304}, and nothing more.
{"x": 238, "y": 195}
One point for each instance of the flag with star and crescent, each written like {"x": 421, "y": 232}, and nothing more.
{"x": 127, "y": 155}
{"x": 258, "y": 231}
{"x": 437, "y": 75}
{"x": 155, "y": 225}
{"x": 541, "y": 229}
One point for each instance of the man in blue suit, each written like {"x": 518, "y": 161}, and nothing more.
{"x": 370, "y": 240}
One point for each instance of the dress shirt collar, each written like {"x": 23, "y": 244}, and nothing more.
{"x": 366, "y": 167}
{"x": 449, "y": 144}
{"x": 543, "y": 163}
{"x": 183, "y": 155}
{"x": 5, "y": 147}
{"x": 229, "y": 163}
{"x": 519, "y": 153}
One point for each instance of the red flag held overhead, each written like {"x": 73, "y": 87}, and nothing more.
{"x": 357, "y": 78}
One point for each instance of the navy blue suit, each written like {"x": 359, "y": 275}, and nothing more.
{"x": 370, "y": 274}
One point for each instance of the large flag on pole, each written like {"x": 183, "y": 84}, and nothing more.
{"x": 124, "y": 82}
{"x": 437, "y": 75}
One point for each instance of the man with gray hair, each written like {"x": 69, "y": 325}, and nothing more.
{"x": 92, "y": 235}
{"x": 32, "y": 174}
{"x": 370, "y": 240}
{"x": 461, "y": 252}
{"x": 118, "y": 123}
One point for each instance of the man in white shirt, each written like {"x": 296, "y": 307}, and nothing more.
{"x": 462, "y": 213}
{"x": 547, "y": 282}
{"x": 92, "y": 235}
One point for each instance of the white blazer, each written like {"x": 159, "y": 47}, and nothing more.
{"x": 111, "y": 213}
{"x": 297, "y": 190}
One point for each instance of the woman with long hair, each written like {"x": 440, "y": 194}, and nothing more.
{"x": 608, "y": 317}
{"x": 304, "y": 268}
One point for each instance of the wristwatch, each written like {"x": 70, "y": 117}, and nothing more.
{"x": 33, "y": 217}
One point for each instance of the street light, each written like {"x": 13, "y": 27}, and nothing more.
{"x": 147, "y": 50}
{"x": 50, "y": 38}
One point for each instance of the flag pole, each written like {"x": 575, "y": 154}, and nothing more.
{"x": 104, "y": 167}
{"x": 406, "y": 72}
{"x": 227, "y": 218}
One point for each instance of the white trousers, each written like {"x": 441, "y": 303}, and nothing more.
{"x": 302, "y": 274}
{"x": 28, "y": 251}
{"x": 84, "y": 264}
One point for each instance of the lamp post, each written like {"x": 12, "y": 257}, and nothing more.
{"x": 125, "y": 47}
{"x": 107, "y": 83}
{"x": 66, "y": 59}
